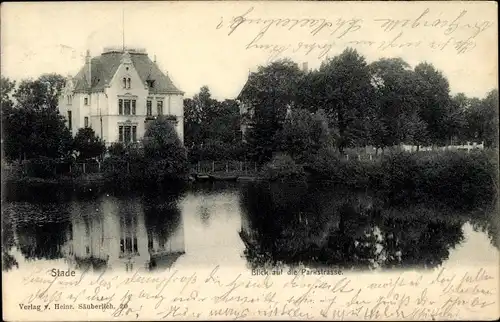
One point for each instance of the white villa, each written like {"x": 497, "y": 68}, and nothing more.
{"x": 117, "y": 93}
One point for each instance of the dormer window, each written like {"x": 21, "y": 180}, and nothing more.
{"x": 151, "y": 83}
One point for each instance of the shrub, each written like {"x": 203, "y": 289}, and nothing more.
{"x": 282, "y": 167}
{"x": 42, "y": 167}
{"x": 452, "y": 178}
{"x": 116, "y": 149}
{"x": 457, "y": 179}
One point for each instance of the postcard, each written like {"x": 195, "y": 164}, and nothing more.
{"x": 250, "y": 160}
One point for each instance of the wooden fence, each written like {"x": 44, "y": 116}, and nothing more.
{"x": 56, "y": 169}
{"x": 225, "y": 166}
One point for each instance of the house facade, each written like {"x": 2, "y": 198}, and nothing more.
{"x": 118, "y": 93}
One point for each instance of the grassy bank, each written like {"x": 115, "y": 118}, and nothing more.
{"x": 458, "y": 179}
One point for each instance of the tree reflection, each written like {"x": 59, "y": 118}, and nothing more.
{"x": 164, "y": 227}
{"x": 417, "y": 243}
{"x": 41, "y": 240}
{"x": 310, "y": 226}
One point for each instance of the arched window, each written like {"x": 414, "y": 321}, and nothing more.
{"x": 128, "y": 83}
{"x": 124, "y": 82}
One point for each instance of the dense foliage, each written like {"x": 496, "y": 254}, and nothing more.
{"x": 87, "y": 144}
{"x": 161, "y": 158}
{"x": 31, "y": 124}
{"x": 381, "y": 104}
{"x": 212, "y": 128}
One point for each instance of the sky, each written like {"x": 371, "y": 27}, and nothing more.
{"x": 218, "y": 43}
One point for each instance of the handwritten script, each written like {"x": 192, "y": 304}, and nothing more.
{"x": 220, "y": 293}
{"x": 457, "y": 31}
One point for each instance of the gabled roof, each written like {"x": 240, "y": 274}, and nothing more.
{"x": 104, "y": 67}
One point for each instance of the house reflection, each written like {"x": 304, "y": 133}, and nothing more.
{"x": 115, "y": 234}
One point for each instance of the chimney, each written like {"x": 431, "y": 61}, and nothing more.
{"x": 305, "y": 68}
{"x": 88, "y": 68}
{"x": 155, "y": 59}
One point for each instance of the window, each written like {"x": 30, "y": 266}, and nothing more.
{"x": 86, "y": 121}
{"x": 149, "y": 108}
{"x": 120, "y": 133}
{"x": 86, "y": 101}
{"x": 120, "y": 107}
{"x": 160, "y": 107}
{"x": 126, "y": 134}
{"x": 70, "y": 124}
{"x": 128, "y": 83}
{"x": 151, "y": 83}
{"x": 126, "y": 107}
{"x": 124, "y": 82}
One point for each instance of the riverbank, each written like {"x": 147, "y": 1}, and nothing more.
{"x": 459, "y": 180}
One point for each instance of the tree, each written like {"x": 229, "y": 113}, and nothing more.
{"x": 54, "y": 84}
{"x": 164, "y": 150}
{"x": 433, "y": 91}
{"x": 32, "y": 127}
{"x": 395, "y": 110}
{"x": 199, "y": 112}
{"x": 40, "y": 93}
{"x": 482, "y": 119}
{"x": 490, "y": 108}
{"x": 7, "y": 86}
{"x": 304, "y": 134}
{"x": 88, "y": 144}
{"x": 455, "y": 120}
{"x": 346, "y": 96}
{"x": 270, "y": 93}
{"x": 224, "y": 124}
{"x": 31, "y": 133}
{"x": 210, "y": 124}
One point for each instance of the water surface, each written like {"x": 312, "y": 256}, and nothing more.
{"x": 240, "y": 225}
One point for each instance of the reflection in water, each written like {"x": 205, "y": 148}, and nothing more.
{"x": 238, "y": 225}
{"x": 315, "y": 227}
{"x": 119, "y": 233}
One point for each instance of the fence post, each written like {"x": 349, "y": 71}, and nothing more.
{"x": 227, "y": 169}
{"x": 370, "y": 157}
{"x": 255, "y": 166}
{"x": 359, "y": 157}
{"x": 347, "y": 157}
{"x": 70, "y": 168}
{"x": 83, "y": 167}
{"x": 213, "y": 166}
